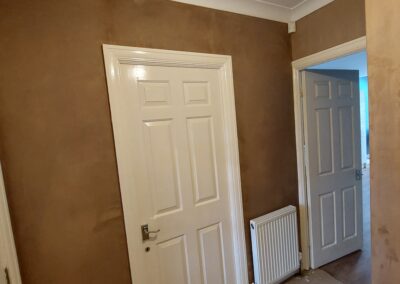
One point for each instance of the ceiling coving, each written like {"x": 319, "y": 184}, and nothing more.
{"x": 277, "y": 10}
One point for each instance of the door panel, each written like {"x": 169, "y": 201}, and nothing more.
{"x": 173, "y": 256}
{"x": 162, "y": 166}
{"x": 328, "y": 219}
{"x": 196, "y": 93}
{"x": 203, "y": 159}
{"x": 346, "y": 132}
{"x": 173, "y": 117}
{"x": 332, "y": 135}
{"x": 349, "y": 198}
{"x": 212, "y": 255}
{"x": 154, "y": 93}
{"x": 324, "y": 135}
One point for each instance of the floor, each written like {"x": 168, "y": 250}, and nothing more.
{"x": 314, "y": 277}
{"x": 356, "y": 267}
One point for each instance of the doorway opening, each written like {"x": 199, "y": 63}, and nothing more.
{"x": 332, "y": 141}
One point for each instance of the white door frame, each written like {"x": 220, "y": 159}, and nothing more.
{"x": 115, "y": 55}
{"x": 8, "y": 258}
{"x": 344, "y": 49}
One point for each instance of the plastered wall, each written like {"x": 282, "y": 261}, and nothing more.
{"x": 336, "y": 23}
{"x": 383, "y": 45}
{"x": 56, "y": 140}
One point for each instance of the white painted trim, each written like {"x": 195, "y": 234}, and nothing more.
{"x": 250, "y": 8}
{"x": 291, "y": 27}
{"x": 331, "y": 53}
{"x": 262, "y": 8}
{"x": 344, "y": 49}
{"x": 115, "y": 55}
{"x": 307, "y": 8}
{"x": 8, "y": 257}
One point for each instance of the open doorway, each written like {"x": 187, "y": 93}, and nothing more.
{"x": 355, "y": 267}
{"x": 332, "y": 137}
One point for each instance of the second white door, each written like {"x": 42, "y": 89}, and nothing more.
{"x": 333, "y": 155}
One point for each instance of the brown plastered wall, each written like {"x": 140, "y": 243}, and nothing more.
{"x": 383, "y": 45}
{"x": 336, "y": 23}
{"x": 55, "y": 130}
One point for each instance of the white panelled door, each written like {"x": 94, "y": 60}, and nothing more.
{"x": 332, "y": 134}
{"x": 173, "y": 167}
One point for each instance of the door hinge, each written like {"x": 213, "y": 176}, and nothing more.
{"x": 8, "y": 281}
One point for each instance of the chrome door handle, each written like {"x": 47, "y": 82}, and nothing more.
{"x": 359, "y": 174}
{"x": 146, "y": 233}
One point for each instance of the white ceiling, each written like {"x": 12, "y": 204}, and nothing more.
{"x": 357, "y": 61}
{"x": 277, "y": 10}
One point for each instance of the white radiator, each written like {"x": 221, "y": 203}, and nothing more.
{"x": 275, "y": 246}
